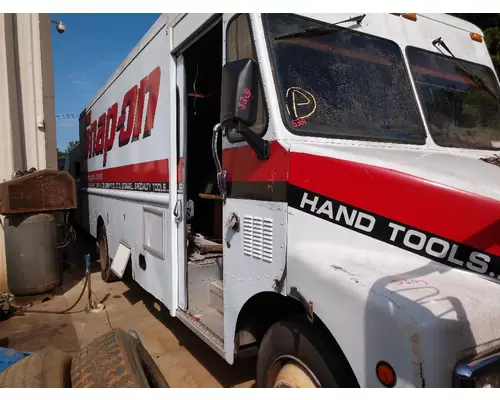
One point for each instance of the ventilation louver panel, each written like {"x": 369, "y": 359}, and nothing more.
{"x": 258, "y": 238}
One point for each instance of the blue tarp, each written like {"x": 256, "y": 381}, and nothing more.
{"x": 10, "y": 356}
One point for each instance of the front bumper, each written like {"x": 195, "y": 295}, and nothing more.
{"x": 483, "y": 371}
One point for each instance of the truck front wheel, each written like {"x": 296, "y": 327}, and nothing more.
{"x": 294, "y": 354}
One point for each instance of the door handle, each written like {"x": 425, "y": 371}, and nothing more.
{"x": 178, "y": 211}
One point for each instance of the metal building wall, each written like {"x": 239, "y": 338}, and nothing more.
{"x": 27, "y": 117}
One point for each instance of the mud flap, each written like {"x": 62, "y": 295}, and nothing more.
{"x": 120, "y": 260}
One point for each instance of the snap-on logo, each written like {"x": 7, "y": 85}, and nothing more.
{"x": 100, "y": 133}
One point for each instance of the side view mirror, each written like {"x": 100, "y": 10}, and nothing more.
{"x": 239, "y": 93}
{"x": 239, "y": 102}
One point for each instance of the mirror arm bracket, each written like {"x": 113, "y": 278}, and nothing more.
{"x": 259, "y": 145}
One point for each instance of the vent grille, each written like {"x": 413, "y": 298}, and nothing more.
{"x": 258, "y": 238}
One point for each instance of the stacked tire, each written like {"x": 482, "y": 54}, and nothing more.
{"x": 115, "y": 360}
{"x": 48, "y": 368}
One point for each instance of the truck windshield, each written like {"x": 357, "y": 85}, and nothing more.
{"x": 337, "y": 82}
{"x": 459, "y": 112}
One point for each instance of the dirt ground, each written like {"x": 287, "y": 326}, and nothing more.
{"x": 184, "y": 359}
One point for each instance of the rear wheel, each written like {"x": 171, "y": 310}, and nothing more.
{"x": 295, "y": 354}
{"x": 107, "y": 274}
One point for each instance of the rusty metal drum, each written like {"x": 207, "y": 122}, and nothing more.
{"x": 33, "y": 262}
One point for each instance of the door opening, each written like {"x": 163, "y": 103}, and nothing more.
{"x": 203, "y": 70}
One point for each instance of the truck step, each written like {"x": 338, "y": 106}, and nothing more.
{"x": 217, "y": 296}
{"x": 211, "y": 318}
{"x": 197, "y": 321}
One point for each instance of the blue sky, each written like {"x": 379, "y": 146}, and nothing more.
{"x": 92, "y": 47}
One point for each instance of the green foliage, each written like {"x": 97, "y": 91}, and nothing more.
{"x": 66, "y": 152}
{"x": 71, "y": 145}
{"x": 492, "y": 39}
{"x": 484, "y": 21}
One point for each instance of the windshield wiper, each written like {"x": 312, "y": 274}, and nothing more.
{"x": 321, "y": 31}
{"x": 469, "y": 74}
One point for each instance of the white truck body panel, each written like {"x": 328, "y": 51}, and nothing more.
{"x": 141, "y": 155}
{"x": 415, "y": 293}
{"x": 252, "y": 265}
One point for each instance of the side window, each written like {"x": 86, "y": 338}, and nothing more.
{"x": 239, "y": 45}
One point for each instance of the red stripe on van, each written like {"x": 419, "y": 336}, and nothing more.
{"x": 150, "y": 171}
{"x": 461, "y": 216}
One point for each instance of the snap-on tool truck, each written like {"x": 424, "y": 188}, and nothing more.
{"x": 321, "y": 187}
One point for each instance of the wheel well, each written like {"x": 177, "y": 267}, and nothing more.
{"x": 257, "y": 316}
{"x": 100, "y": 224}
{"x": 128, "y": 269}
{"x": 264, "y": 309}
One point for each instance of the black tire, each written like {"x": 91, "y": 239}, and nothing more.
{"x": 48, "y": 368}
{"x": 298, "y": 339}
{"x": 115, "y": 360}
{"x": 107, "y": 274}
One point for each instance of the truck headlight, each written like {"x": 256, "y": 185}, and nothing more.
{"x": 483, "y": 372}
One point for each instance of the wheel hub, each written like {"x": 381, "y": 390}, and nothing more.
{"x": 294, "y": 374}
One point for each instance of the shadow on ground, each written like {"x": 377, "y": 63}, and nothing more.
{"x": 243, "y": 370}
{"x": 33, "y": 332}
{"x": 74, "y": 260}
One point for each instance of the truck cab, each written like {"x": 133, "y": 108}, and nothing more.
{"x": 387, "y": 126}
